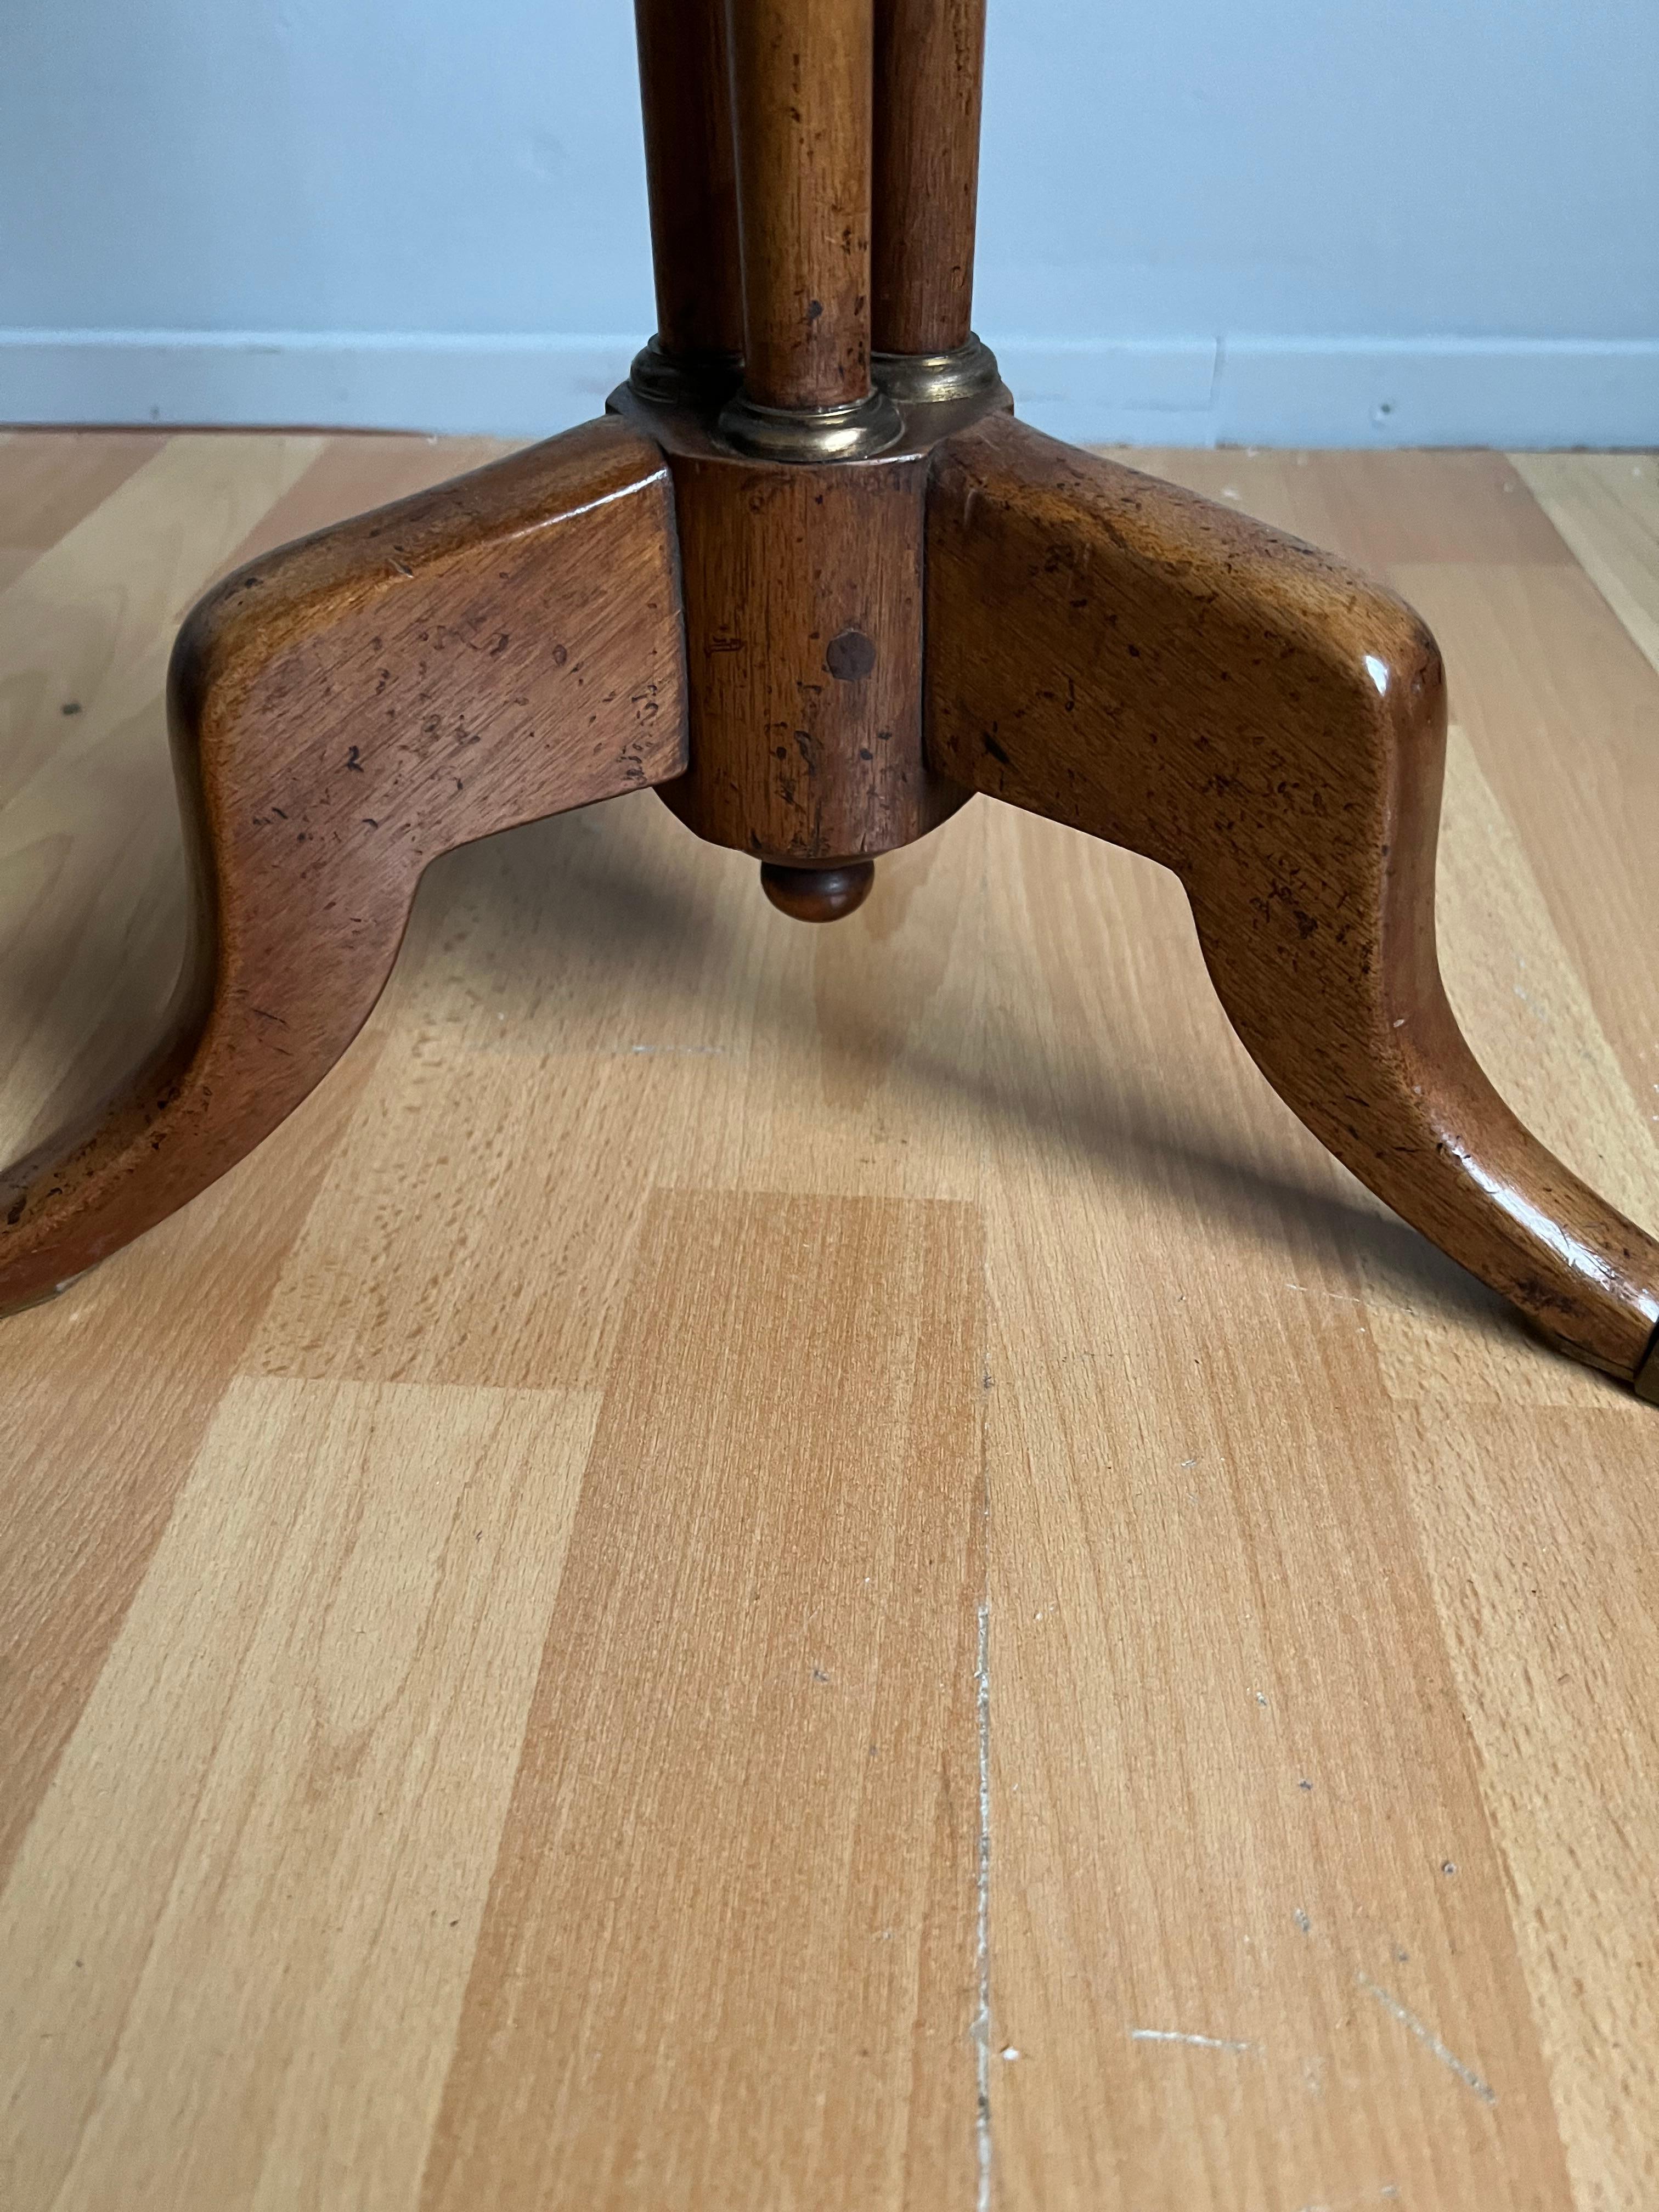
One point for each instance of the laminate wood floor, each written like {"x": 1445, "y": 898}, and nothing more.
{"x": 759, "y": 1569}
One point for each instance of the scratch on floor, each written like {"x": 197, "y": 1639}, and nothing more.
{"x": 1386, "y": 2193}
{"x": 1179, "y": 2035}
{"x": 982, "y": 2013}
{"x": 1427, "y": 2036}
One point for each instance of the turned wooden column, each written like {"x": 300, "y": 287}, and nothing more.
{"x": 802, "y": 84}
{"x": 685, "y": 92}
{"x": 801, "y": 508}
{"x": 803, "y": 109}
{"x": 930, "y": 60}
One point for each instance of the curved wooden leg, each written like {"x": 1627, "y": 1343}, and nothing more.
{"x": 505, "y": 647}
{"x": 1113, "y": 653}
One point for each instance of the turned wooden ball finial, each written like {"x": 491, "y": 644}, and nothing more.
{"x": 817, "y": 894}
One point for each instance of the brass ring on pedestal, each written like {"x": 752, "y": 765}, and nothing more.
{"x": 685, "y": 380}
{"x": 854, "y": 432}
{"x": 918, "y": 380}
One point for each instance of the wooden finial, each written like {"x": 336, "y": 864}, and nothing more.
{"x": 817, "y": 894}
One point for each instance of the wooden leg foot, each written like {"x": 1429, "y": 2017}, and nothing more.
{"x": 1117, "y": 655}
{"x": 505, "y": 647}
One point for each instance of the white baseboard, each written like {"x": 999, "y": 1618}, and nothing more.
{"x": 1534, "y": 392}
{"x": 507, "y": 387}
{"x": 1176, "y": 392}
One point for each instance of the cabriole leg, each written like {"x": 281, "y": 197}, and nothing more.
{"x": 505, "y": 647}
{"x": 1117, "y": 655}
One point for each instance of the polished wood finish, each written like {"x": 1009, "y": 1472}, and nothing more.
{"x": 423, "y": 1553}
{"x": 746, "y": 631}
{"x": 342, "y": 711}
{"x": 686, "y": 92}
{"x": 801, "y": 88}
{"x": 803, "y": 597}
{"x": 818, "y": 894}
{"x": 930, "y": 57}
{"x": 1261, "y": 719}
{"x": 804, "y": 611}
{"x": 664, "y": 1308}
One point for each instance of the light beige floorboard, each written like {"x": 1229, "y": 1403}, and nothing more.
{"x": 758, "y": 1701}
{"x": 1538, "y": 1531}
{"x": 1605, "y": 505}
{"x": 953, "y": 1266}
{"x": 268, "y": 1845}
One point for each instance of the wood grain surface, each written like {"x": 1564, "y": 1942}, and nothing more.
{"x": 804, "y": 184}
{"x": 685, "y": 91}
{"x": 930, "y": 57}
{"x": 344, "y": 710}
{"x": 802, "y": 589}
{"x": 767, "y": 1567}
{"x": 1270, "y": 725}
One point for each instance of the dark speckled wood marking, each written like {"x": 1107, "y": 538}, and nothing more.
{"x": 816, "y": 663}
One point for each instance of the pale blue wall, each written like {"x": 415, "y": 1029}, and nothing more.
{"x": 1274, "y": 220}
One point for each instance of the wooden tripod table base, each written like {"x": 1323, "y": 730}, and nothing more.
{"x": 812, "y": 582}
{"x": 816, "y": 664}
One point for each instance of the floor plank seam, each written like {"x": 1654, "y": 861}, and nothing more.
{"x": 982, "y": 2013}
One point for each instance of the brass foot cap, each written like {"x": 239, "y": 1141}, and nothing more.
{"x": 817, "y": 894}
